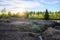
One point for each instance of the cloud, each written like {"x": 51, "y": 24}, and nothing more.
{"x": 50, "y": 1}
{"x": 18, "y": 4}
{"x": 24, "y": 4}
{"x": 21, "y": 5}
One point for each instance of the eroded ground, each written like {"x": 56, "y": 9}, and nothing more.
{"x": 19, "y": 29}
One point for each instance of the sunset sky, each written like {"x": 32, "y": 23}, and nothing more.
{"x": 30, "y": 5}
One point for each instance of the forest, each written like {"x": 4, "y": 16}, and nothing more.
{"x": 48, "y": 15}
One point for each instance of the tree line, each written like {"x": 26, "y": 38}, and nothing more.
{"x": 44, "y": 15}
{"x": 33, "y": 15}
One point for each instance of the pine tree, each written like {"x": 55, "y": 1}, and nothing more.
{"x": 46, "y": 16}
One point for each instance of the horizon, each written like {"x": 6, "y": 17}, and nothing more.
{"x": 30, "y": 5}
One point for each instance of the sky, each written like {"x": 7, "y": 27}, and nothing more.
{"x": 30, "y": 5}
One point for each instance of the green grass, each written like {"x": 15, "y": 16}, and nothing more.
{"x": 41, "y": 16}
{"x": 36, "y": 16}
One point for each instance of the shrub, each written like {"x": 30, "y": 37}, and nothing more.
{"x": 39, "y": 29}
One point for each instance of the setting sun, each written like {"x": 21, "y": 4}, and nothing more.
{"x": 20, "y": 14}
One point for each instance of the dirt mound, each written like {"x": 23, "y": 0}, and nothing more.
{"x": 51, "y": 34}
{"x": 15, "y": 35}
{"x": 15, "y": 32}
